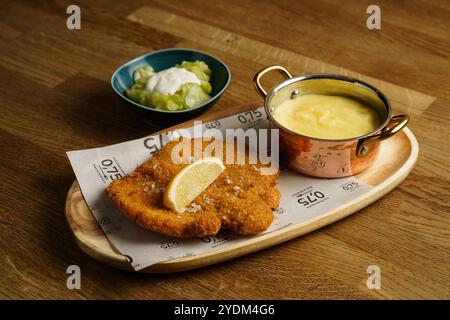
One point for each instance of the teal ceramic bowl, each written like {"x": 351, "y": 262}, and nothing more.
{"x": 122, "y": 79}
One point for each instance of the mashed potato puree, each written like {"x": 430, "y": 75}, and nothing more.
{"x": 326, "y": 117}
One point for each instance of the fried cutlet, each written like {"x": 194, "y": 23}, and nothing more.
{"x": 241, "y": 199}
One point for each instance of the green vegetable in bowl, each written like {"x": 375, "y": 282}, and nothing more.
{"x": 199, "y": 68}
{"x": 172, "y": 89}
{"x": 143, "y": 72}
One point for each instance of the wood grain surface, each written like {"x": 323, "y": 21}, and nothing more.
{"x": 55, "y": 96}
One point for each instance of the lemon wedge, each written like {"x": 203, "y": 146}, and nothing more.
{"x": 191, "y": 181}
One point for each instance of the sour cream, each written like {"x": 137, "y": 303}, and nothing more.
{"x": 170, "y": 80}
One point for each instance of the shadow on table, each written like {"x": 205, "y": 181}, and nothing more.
{"x": 97, "y": 113}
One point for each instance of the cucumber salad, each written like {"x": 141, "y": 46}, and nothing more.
{"x": 181, "y": 87}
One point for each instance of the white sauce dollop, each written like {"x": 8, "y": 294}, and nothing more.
{"x": 170, "y": 80}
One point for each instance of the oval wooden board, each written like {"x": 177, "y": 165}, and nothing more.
{"x": 397, "y": 158}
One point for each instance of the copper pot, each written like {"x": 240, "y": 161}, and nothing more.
{"x": 328, "y": 158}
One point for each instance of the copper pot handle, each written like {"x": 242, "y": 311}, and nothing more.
{"x": 260, "y": 73}
{"x": 396, "y": 124}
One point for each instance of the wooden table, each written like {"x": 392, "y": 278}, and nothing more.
{"x": 55, "y": 96}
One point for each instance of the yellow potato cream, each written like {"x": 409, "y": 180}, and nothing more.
{"x": 326, "y": 117}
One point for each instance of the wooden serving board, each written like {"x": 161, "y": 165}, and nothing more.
{"x": 397, "y": 158}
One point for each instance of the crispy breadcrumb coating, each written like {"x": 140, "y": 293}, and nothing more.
{"x": 241, "y": 199}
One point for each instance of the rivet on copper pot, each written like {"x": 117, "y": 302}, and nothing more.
{"x": 294, "y": 94}
{"x": 363, "y": 151}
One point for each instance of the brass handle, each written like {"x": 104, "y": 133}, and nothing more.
{"x": 260, "y": 73}
{"x": 396, "y": 124}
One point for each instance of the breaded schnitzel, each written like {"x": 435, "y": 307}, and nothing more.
{"x": 241, "y": 199}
